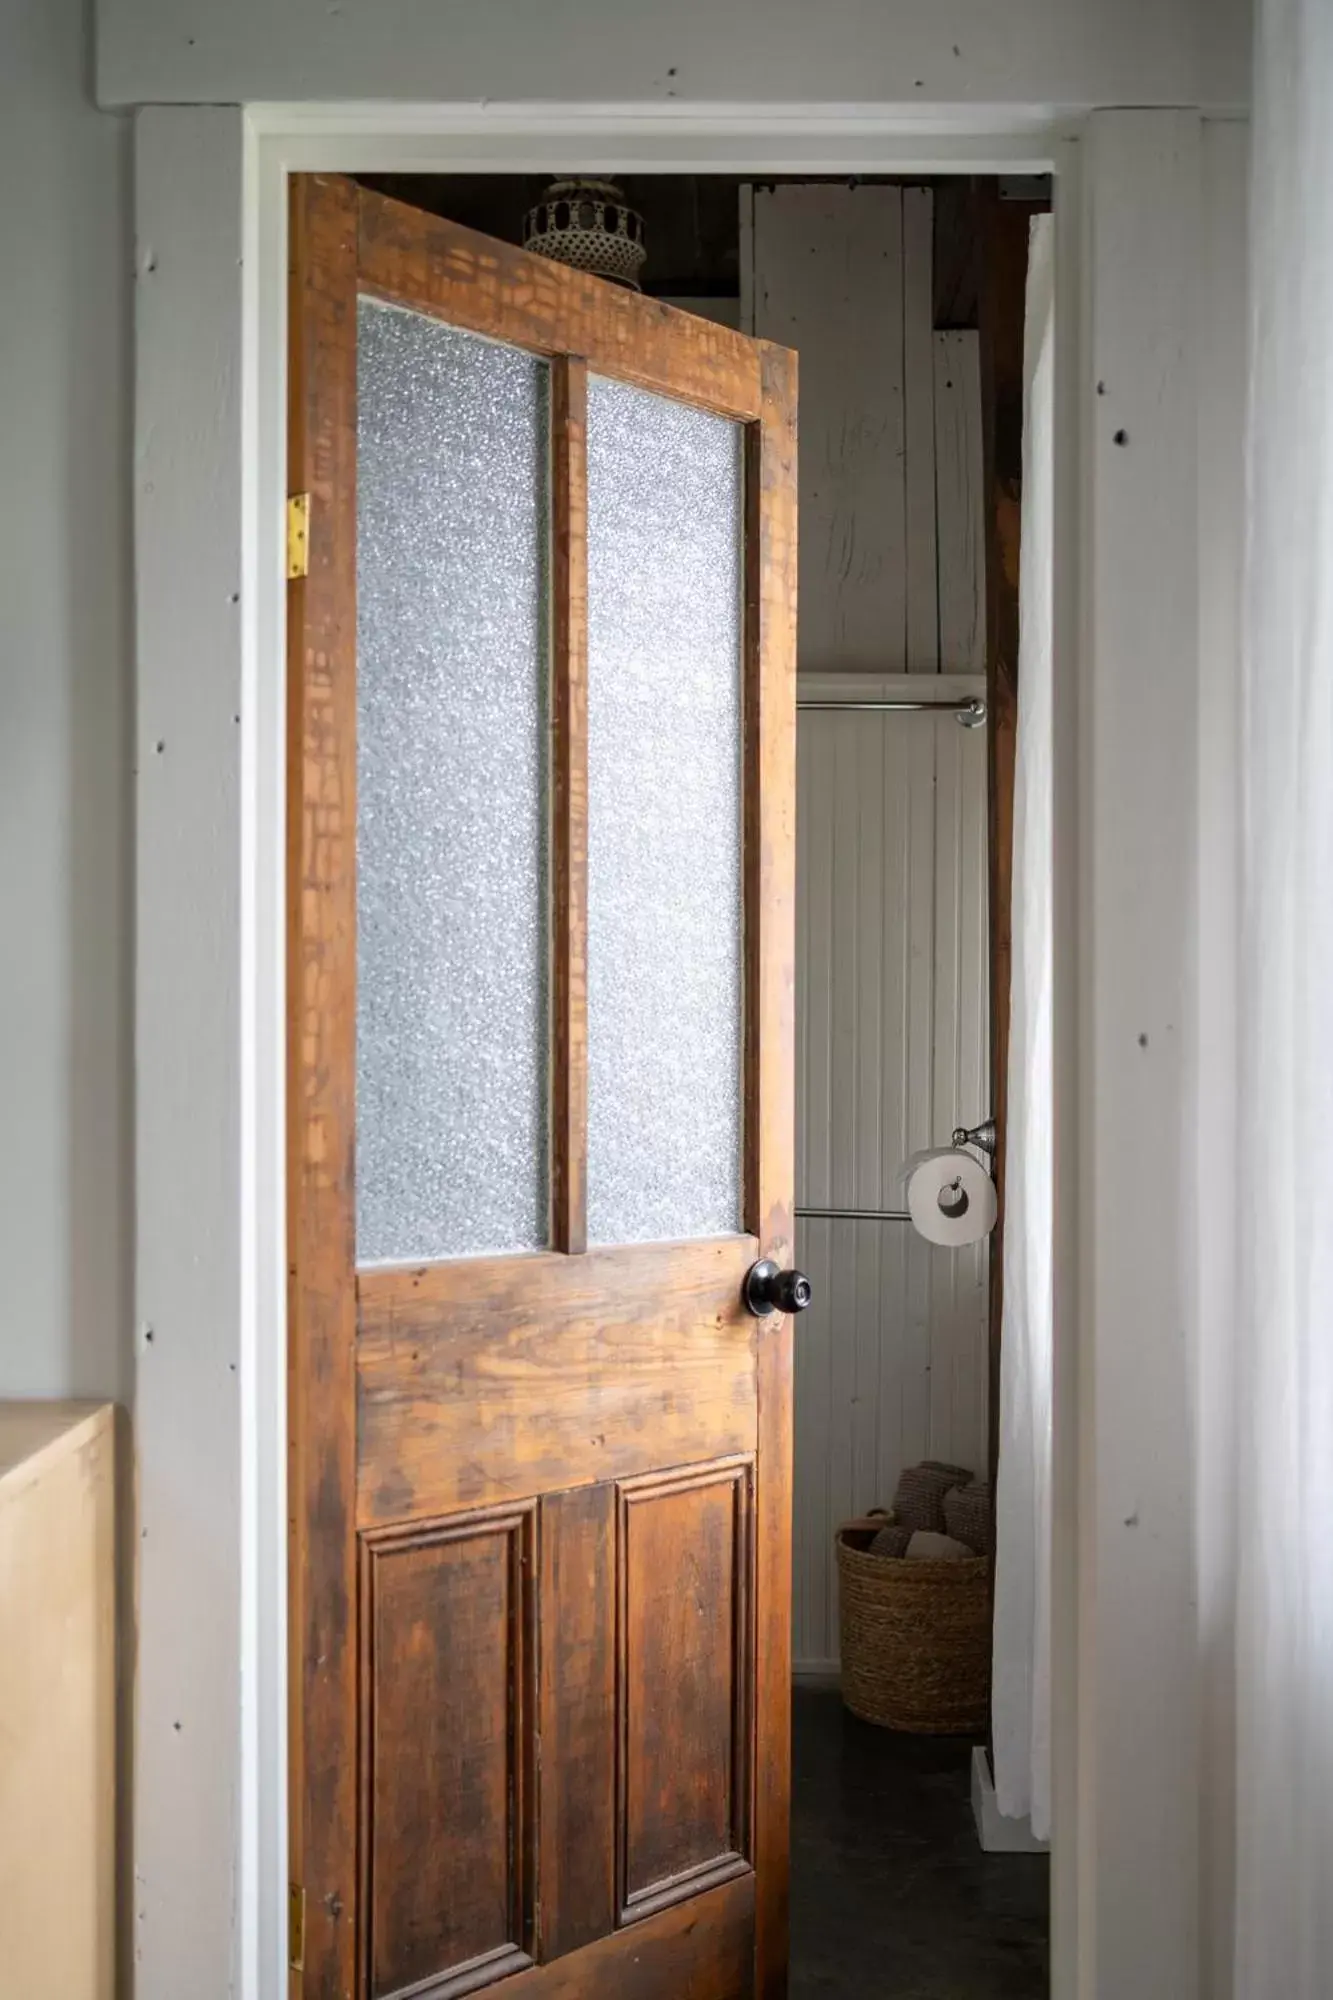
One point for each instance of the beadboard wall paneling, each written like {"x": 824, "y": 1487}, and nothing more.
{"x": 891, "y": 868}
{"x": 891, "y": 1009}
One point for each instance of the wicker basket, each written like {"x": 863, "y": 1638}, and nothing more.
{"x": 915, "y": 1637}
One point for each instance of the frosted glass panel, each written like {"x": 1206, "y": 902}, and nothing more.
{"x": 451, "y": 776}
{"x": 664, "y": 818}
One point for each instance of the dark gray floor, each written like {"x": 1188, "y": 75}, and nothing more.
{"x": 892, "y": 1899}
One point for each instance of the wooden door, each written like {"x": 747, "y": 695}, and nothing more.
{"x": 542, "y": 679}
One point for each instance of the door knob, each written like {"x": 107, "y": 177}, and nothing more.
{"x": 770, "y": 1289}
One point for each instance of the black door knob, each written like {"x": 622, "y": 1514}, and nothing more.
{"x": 770, "y": 1289}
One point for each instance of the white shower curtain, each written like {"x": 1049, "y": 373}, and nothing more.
{"x": 1021, "y": 1698}
{"x": 1284, "y": 1790}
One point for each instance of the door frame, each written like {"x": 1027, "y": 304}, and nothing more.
{"x": 211, "y": 1870}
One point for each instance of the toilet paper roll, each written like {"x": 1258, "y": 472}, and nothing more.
{"x": 950, "y": 1197}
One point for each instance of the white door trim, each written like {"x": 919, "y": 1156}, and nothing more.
{"x": 210, "y": 482}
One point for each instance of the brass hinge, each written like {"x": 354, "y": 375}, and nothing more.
{"x": 298, "y": 535}
{"x": 296, "y": 1927}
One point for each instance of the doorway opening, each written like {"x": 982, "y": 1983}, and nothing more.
{"x": 903, "y": 300}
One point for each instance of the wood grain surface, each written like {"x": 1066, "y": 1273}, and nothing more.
{"x": 540, "y": 1502}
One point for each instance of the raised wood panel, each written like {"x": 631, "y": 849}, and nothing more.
{"x": 493, "y": 1378}
{"x": 685, "y": 1682}
{"x": 576, "y": 1863}
{"x": 447, "y": 1784}
{"x": 494, "y": 289}
{"x": 892, "y": 1026}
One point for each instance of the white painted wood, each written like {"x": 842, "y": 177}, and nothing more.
{"x": 800, "y": 139}
{"x": 58, "y": 1700}
{"x": 1052, "y": 53}
{"x": 1222, "y": 401}
{"x": 828, "y": 281}
{"x": 882, "y": 586}
{"x": 1138, "y": 715}
{"x": 891, "y": 1013}
{"x": 193, "y": 818}
{"x": 960, "y": 489}
{"x": 921, "y": 566}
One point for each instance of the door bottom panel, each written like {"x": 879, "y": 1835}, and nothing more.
{"x": 558, "y": 1701}
{"x": 699, "y": 1950}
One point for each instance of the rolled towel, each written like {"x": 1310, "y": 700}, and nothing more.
{"x": 968, "y": 1515}
{"x": 891, "y": 1541}
{"x": 926, "y": 1547}
{"x": 960, "y": 1475}
{"x": 919, "y": 1501}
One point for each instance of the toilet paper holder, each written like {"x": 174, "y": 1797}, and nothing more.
{"x": 982, "y": 1136}
{"x": 951, "y": 1198}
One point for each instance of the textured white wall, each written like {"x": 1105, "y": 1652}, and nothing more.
{"x": 65, "y": 595}
{"x": 1045, "y": 52}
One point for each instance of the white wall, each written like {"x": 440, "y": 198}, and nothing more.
{"x": 195, "y": 1694}
{"x": 1223, "y": 302}
{"x": 1137, "y": 1158}
{"x": 65, "y": 606}
{"x": 1041, "y": 52}
{"x": 1159, "y": 823}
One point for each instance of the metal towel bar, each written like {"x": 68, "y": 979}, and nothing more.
{"x": 852, "y": 1215}
{"x": 970, "y": 711}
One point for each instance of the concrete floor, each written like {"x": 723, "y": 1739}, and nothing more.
{"x": 892, "y": 1899}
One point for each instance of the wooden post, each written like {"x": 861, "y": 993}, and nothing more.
{"x": 1002, "y": 230}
